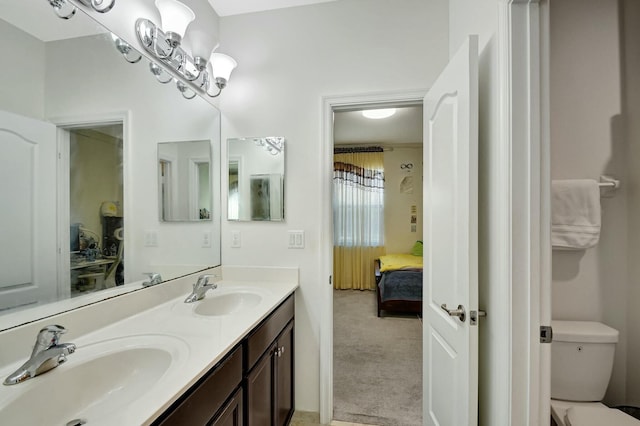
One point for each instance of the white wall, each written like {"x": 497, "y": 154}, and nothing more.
{"x": 288, "y": 59}
{"x": 397, "y": 204}
{"x": 587, "y": 141}
{"x": 24, "y": 99}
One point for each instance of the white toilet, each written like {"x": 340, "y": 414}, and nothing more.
{"x": 581, "y": 363}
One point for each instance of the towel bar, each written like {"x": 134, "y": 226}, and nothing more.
{"x": 609, "y": 182}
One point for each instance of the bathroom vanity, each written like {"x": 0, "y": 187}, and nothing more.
{"x": 227, "y": 359}
{"x": 252, "y": 385}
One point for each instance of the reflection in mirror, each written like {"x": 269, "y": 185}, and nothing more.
{"x": 184, "y": 181}
{"x": 256, "y": 179}
{"x": 96, "y": 202}
{"x": 79, "y": 127}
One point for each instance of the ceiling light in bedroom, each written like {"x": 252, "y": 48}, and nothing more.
{"x": 377, "y": 114}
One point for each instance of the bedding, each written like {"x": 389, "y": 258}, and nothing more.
{"x": 399, "y": 283}
{"x": 402, "y": 261}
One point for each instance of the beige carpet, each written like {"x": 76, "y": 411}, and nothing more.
{"x": 377, "y": 363}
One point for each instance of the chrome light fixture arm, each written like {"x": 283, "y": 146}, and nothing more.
{"x": 130, "y": 55}
{"x": 220, "y": 83}
{"x": 162, "y": 47}
{"x": 65, "y": 9}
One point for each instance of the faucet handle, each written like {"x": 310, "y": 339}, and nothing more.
{"x": 154, "y": 278}
{"x": 51, "y": 333}
{"x": 47, "y": 337}
{"x": 203, "y": 281}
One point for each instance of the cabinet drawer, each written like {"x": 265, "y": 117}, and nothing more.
{"x": 266, "y": 333}
{"x": 205, "y": 398}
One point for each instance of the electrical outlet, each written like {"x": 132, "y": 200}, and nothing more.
{"x": 206, "y": 239}
{"x": 236, "y": 241}
{"x": 151, "y": 238}
{"x": 296, "y": 239}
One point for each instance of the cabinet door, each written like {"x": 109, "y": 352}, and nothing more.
{"x": 284, "y": 377}
{"x": 260, "y": 388}
{"x": 199, "y": 405}
{"x": 232, "y": 412}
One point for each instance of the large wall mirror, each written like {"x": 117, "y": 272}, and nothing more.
{"x": 79, "y": 133}
{"x": 256, "y": 179}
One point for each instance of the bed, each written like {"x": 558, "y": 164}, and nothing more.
{"x": 399, "y": 283}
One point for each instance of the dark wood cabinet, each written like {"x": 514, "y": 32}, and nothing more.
{"x": 269, "y": 380}
{"x": 283, "y": 373}
{"x": 232, "y": 414}
{"x": 259, "y": 389}
{"x": 251, "y": 386}
{"x": 201, "y": 404}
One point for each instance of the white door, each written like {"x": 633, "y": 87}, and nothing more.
{"x": 451, "y": 234}
{"x": 28, "y": 222}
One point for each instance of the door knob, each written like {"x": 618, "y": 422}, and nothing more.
{"x": 459, "y": 312}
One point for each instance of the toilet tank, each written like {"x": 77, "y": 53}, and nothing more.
{"x": 581, "y": 359}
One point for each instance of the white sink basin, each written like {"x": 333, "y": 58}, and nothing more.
{"x": 96, "y": 380}
{"x": 227, "y": 303}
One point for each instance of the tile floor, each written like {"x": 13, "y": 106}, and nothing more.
{"x": 304, "y": 418}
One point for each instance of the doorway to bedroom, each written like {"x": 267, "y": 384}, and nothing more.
{"x": 377, "y": 212}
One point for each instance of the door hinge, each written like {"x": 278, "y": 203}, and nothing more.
{"x": 546, "y": 334}
{"x": 330, "y": 276}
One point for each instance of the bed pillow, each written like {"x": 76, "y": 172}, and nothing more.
{"x": 416, "y": 250}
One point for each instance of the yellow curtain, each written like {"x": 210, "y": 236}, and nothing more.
{"x": 353, "y": 267}
{"x": 358, "y": 218}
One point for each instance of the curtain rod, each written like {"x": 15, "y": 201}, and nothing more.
{"x": 353, "y": 149}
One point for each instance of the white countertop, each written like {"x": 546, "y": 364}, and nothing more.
{"x": 202, "y": 341}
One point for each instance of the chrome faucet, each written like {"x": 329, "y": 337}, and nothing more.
{"x": 47, "y": 353}
{"x": 154, "y": 278}
{"x": 200, "y": 288}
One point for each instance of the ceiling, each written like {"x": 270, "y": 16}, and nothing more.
{"x": 237, "y": 7}
{"x": 404, "y": 127}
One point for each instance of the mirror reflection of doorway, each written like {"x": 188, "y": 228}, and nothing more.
{"x": 203, "y": 185}
{"x": 96, "y": 220}
{"x": 164, "y": 180}
{"x": 233, "y": 207}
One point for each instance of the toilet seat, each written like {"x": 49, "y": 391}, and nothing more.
{"x": 598, "y": 416}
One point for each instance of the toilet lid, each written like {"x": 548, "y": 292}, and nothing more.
{"x": 598, "y": 416}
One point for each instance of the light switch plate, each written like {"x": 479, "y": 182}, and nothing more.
{"x": 151, "y": 238}
{"x": 206, "y": 239}
{"x": 296, "y": 239}
{"x": 236, "y": 241}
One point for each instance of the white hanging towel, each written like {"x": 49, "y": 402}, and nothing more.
{"x": 575, "y": 214}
